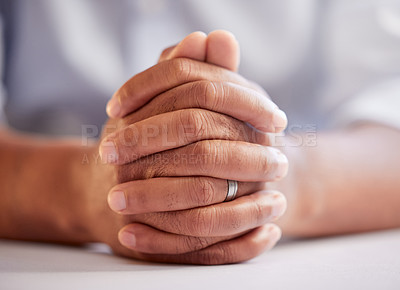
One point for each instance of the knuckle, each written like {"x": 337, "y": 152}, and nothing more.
{"x": 180, "y": 69}
{"x": 221, "y": 254}
{"x": 207, "y": 156}
{"x": 226, "y": 254}
{"x": 222, "y": 127}
{"x": 211, "y": 258}
{"x": 218, "y": 92}
{"x": 233, "y": 129}
{"x": 206, "y": 94}
{"x": 203, "y": 192}
{"x": 165, "y": 221}
{"x": 194, "y": 243}
{"x": 204, "y": 148}
{"x": 200, "y": 222}
{"x": 192, "y": 124}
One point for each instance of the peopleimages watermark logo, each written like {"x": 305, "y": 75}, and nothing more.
{"x": 295, "y": 135}
{"x": 163, "y": 139}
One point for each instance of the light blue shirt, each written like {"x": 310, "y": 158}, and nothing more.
{"x": 326, "y": 63}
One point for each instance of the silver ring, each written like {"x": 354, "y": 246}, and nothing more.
{"x": 232, "y": 190}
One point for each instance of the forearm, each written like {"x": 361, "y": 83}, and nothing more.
{"x": 348, "y": 182}
{"x": 41, "y": 189}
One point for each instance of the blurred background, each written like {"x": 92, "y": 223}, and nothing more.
{"x": 326, "y": 63}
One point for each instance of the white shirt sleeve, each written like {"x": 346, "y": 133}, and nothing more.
{"x": 365, "y": 64}
{"x": 379, "y": 104}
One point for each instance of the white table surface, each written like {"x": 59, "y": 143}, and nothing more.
{"x": 364, "y": 261}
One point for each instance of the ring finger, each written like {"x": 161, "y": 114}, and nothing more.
{"x": 171, "y": 194}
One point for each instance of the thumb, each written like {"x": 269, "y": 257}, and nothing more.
{"x": 192, "y": 46}
{"x": 220, "y": 47}
{"x": 223, "y": 50}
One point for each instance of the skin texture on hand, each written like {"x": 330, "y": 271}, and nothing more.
{"x": 247, "y": 103}
{"x": 63, "y": 196}
{"x": 320, "y": 203}
{"x": 55, "y": 191}
{"x": 219, "y": 47}
{"x": 221, "y": 50}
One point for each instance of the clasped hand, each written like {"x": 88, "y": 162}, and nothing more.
{"x": 179, "y": 130}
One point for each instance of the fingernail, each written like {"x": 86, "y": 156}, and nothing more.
{"x": 282, "y": 164}
{"x": 278, "y": 202}
{"x": 108, "y": 152}
{"x": 279, "y": 120}
{"x": 117, "y": 201}
{"x": 127, "y": 239}
{"x": 275, "y": 233}
{"x": 113, "y": 108}
{"x": 200, "y": 33}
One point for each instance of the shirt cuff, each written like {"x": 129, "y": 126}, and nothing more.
{"x": 379, "y": 104}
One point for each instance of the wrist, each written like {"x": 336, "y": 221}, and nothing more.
{"x": 298, "y": 189}
{"x": 94, "y": 179}
{"x": 41, "y": 196}
{"x": 80, "y": 183}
